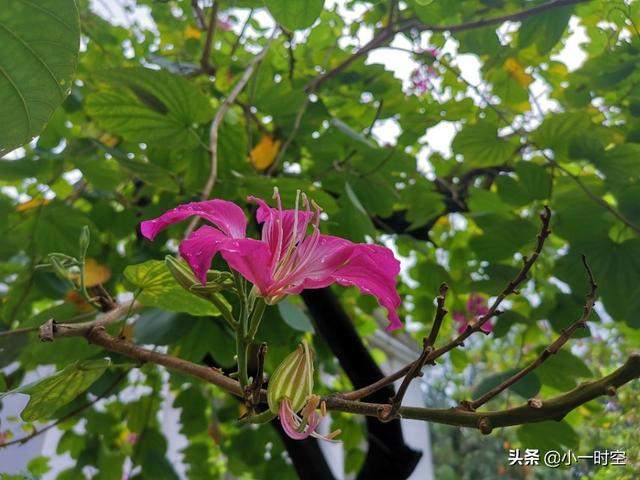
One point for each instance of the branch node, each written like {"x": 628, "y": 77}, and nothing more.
{"x": 47, "y": 331}
{"x": 611, "y": 391}
{"x": 535, "y": 403}
{"x": 484, "y": 425}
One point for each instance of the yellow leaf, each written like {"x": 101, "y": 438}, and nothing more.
{"x": 192, "y": 32}
{"x": 31, "y": 204}
{"x": 109, "y": 140}
{"x": 127, "y": 332}
{"x": 516, "y": 71}
{"x": 78, "y": 300}
{"x": 95, "y": 274}
{"x": 265, "y": 152}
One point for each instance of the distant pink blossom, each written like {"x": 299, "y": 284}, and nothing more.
{"x": 225, "y": 24}
{"x": 434, "y": 52}
{"x": 476, "y": 308}
{"x": 421, "y": 79}
{"x": 287, "y": 260}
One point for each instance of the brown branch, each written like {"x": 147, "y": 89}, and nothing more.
{"x": 51, "y": 330}
{"x": 545, "y": 218}
{"x": 416, "y": 367}
{"x": 18, "y": 331}
{"x": 205, "y": 59}
{"x": 547, "y": 352}
{"x": 552, "y": 409}
{"x": 387, "y": 34}
{"x": 197, "y": 10}
{"x": 69, "y": 415}
{"x": 485, "y": 22}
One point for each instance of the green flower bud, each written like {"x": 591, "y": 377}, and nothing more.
{"x": 216, "y": 281}
{"x": 84, "y": 240}
{"x": 292, "y": 379}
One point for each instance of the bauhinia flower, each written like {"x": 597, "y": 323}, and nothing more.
{"x": 476, "y": 308}
{"x": 287, "y": 259}
{"x": 290, "y": 396}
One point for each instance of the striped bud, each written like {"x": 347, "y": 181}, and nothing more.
{"x": 292, "y": 379}
{"x": 216, "y": 281}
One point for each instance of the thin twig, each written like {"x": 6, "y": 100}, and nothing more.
{"x": 217, "y": 121}
{"x": 375, "y": 118}
{"x": 551, "y": 409}
{"x": 241, "y": 34}
{"x": 205, "y": 59}
{"x": 416, "y": 367}
{"x": 18, "y": 331}
{"x": 596, "y": 198}
{"x": 197, "y": 10}
{"x": 294, "y": 131}
{"x": 460, "y": 339}
{"x": 547, "y": 352}
{"x": 69, "y": 415}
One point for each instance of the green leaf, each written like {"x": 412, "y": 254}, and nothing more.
{"x": 159, "y": 289}
{"x": 548, "y": 435}
{"x": 149, "y": 106}
{"x": 558, "y": 131}
{"x": 502, "y": 237}
{"x": 40, "y": 42}
{"x": 56, "y": 228}
{"x": 150, "y": 173}
{"x": 535, "y": 180}
{"x": 562, "y": 369}
{"x": 423, "y": 204}
{"x": 481, "y": 147}
{"x": 295, "y": 14}
{"x": 51, "y": 393}
{"x": 207, "y": 335}
{"x": 544, "y": 30}
{"x": 295, "y": 317}
{"x": 621, "y": 164}
{"x": 526, "y": 387}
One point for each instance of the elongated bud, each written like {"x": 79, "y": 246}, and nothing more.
{"x": 216, "y": 281}
{"x": 85, "y": 238}
{"x": 292, "y": 379}
{"x": 180, "y": 271}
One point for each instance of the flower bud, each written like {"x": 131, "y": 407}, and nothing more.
{"x": 216, "y": 281}
{"x": 292, "y": 379}
{"x": 85, "y": 238}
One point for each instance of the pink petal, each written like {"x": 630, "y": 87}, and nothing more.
{"x": 226, "y": 216}
{"x": 200, "y": 248}
{"x": 371, "y": 268}
{"x": 487, "y": 327}
{"x": 290, "y": 425}
{"x": 252, "y": 259}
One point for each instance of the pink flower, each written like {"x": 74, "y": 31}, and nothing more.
{"x": 434, "y": 52}
{"x": 132, "y": 438}
{"x": 287, "y": 259}
{"x": 421, "y": 78}
{"x": 304, "y": 425}
{"x": 225, "y": 24}
{"x": 476, "y": 308}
